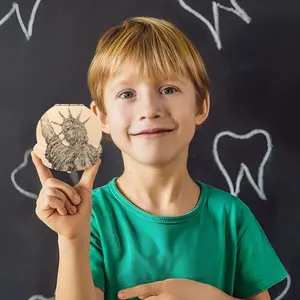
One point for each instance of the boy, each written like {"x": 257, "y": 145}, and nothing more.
{"x": 154, "y": 232}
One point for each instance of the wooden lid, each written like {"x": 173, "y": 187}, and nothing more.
{"x": 68, "y": 138}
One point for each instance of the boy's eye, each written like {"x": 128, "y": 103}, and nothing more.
{"x": 169, "y": 90}
{"x": 126, "y": 95}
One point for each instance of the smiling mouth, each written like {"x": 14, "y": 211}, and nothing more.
{"x": 153, "y": 132}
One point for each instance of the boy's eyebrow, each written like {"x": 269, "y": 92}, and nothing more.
{"x": 118, "y": 83}
{"x": 177, "y": 80}
{"x": 124, "y": 82}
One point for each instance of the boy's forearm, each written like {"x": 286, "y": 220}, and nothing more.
{"x": 74, "y": 280}
{"x": 227, "y": 297}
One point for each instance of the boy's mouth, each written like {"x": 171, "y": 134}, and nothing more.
{"x": 153, "y": 132}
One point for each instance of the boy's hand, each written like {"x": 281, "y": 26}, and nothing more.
{"x": 174, "y": 289}
{"x": 63, "y": 208}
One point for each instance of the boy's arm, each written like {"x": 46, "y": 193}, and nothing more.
{"x": 258, "y": 267}
{"x": 74, "y": 281}
{"x": 100, "y": 294}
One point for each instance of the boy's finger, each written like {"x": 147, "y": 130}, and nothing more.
{"x": 43, "y": 172}
{"x": 58, "y": 194}
{"x": 54, "y": 203}
{"x": 89, "y": 175}
{"x": 141, "y": 291}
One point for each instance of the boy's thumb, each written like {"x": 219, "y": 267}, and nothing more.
{"x": 88, "y": 176}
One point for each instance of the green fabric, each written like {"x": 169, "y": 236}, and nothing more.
{"x": 219, "y": 242}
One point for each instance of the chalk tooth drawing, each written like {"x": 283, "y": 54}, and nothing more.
{"x": 215, "y": 29}
{"x": 285, "y": 291}
{"x": 74, "y": 176}
{"x": 16, "y": 9}
{"x": 16, "y": 170}
{"x": 40, "y": 297}
{"x": 244, "y": 170}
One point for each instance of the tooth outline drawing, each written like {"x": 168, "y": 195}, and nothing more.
{"x": 16, "y": 9}
{"x": 285, "y": 291}
{"x": 16, "y": 170}
{"x": 74, "y": 176}
{"x": 215, "y": 30}
{"x": 244, "y": 170}
{"x": 40, "y": 297}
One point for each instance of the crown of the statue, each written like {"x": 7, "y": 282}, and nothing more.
{"x": 71, "y": 121}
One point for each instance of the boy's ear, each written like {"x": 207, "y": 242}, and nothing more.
{"x": 203, "y": 111}
{"x": 101, "y": 116}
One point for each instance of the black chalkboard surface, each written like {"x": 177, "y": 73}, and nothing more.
{"x": 249, "y": 145}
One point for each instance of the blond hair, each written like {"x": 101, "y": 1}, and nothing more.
{"x": 158, "y": 49}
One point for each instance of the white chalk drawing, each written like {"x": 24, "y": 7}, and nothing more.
{"x": 244, "y": 170}
{"x": 74, "y": 176}
{"x": 16, "y": 9}
{"x": 215, "y": 29}
{"x": 285, "y": 291}
{"x": 40, "y": 297}
{"x": 16, "y": 170}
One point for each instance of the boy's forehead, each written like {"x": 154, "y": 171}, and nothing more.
{"x": 130, "y": 74}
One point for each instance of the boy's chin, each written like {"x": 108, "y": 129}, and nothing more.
{"x": 154, "y": 159}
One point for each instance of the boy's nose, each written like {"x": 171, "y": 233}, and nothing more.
{"x": 151, "y": 113}
{"x": 151, "y": 108}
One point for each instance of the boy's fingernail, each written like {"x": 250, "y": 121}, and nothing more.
{"x": 76, "y": 199}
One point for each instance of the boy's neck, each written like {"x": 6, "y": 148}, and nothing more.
{"x": 164, "y": 190}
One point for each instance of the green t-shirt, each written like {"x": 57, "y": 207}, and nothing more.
{"x": 219, "y": 242}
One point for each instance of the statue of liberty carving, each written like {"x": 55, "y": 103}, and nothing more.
{"x": 78, "y": 154}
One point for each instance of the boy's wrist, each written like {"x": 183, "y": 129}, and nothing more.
{"x": 81, "y": 242}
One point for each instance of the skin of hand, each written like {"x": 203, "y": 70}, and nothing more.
{"x": 174, "y": 289}
{"x": 63, "y": 208}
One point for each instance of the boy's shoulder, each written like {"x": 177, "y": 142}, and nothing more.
{"x": 104, "y": 202}
{"x": 101, "y": 191}
{"x": 221, "y": 199}
{"x": 102, "y": 194}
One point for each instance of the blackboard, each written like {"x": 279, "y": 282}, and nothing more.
{"x": 249, "y": 145}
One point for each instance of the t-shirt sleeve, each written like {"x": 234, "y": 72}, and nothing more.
{"x": 258, "y": 267}
{"x": 96, "y": 255}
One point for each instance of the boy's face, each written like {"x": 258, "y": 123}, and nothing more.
{"x": 150, "y": 122}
